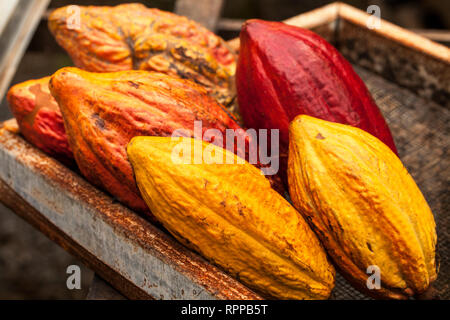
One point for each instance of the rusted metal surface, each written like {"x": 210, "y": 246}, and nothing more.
{"x": 143, "y": 255}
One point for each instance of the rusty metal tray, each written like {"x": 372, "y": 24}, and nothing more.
{"x": 409, "y": 77}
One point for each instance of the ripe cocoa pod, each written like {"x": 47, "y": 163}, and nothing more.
{"x": 132, "y": 36}
{"x": 307, "y": 76}
{"x": 39, "y": 118}
{"x": 103, "y": 111}
{"x": 246, "y": 228}
{"x": 363, "y": 205}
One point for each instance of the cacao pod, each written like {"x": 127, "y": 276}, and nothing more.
{"x": 246, "y": 228}
{"x": 39, "y": 118}
{"x": 132, "y": 36}
{"x": 363, "y": 205}
{"x": 103, "y": 111}
{"x": 284, "y": 71}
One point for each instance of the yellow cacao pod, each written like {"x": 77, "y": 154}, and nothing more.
{"x": 231, "y": 215}
{"x": 363, "y": 205}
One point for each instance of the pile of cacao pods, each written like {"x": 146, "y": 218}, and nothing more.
{"x": 143, "y": 74}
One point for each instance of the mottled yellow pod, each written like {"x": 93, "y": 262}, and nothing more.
{"x": 231, "y": 215}
{"x": 364, "y": 206}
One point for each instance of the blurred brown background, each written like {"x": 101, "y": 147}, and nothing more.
{"x": 31, "y": 266}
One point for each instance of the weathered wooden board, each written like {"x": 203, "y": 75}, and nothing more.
{"x": 138, "y": 258}
{"x": 401, "y": 56}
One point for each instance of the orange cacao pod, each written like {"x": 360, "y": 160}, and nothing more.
{"x": 132, "y": 36}
{"x": 39, "y": 118}
{"x": 103, "y": 111}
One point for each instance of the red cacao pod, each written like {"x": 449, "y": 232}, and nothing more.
{"x": 284, "y": 71}
{"x": 103, "y": 111}
{"x": 39, "y": 118}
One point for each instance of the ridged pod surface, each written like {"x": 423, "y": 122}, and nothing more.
{"x": 284, "y": 71}
{"x": 364, "y": 206}
{"x": 231, "y": 215}
{"x": 103, "y": 111}
{"x": 132, "y": 36}
{"x": 39, "y": 118}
